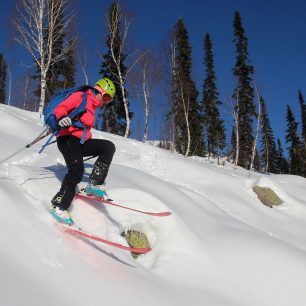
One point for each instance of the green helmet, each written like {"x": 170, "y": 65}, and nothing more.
{"x": 107, "y": 85}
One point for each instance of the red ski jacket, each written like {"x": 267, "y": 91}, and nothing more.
{"x": 88, "y": 118}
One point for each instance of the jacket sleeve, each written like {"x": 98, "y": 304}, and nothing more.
{"x": 88, "y": 119}
{"x": 68, "y": 105}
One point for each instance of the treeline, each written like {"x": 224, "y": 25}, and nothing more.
{"x": 193, "y": 122}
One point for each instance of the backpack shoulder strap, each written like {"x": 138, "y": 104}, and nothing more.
{"x": 80, "y": 109}
{"x": 77, "y": 112}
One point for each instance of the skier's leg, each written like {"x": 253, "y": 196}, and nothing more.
{"x": 105, "y": 151}
{"x": 72, "y": 152}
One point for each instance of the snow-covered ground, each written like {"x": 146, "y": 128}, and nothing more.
{"x": 221, "y": 247}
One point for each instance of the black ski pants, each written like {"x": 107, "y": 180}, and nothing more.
{"x": 73, "y": 152}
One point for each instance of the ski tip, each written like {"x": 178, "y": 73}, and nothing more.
{"x": 165, "y": 214}
{"x": 141, "y": 250}
{"x": 159, "y": 214}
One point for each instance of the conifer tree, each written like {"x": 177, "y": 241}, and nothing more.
{"x": 214, "y": 126}
{"x": 303, "y": 133}
{"x": 233, "y": 148}
{"x": 256, "y": 163}
{"x": 295, "y": 146}
{"x": 303, "y": 117}
{"x": 268, "y": 146}
{"x": 188, "y": 138}
{"x": 243, "y": 94}
{"x": 3, "y": 75}
{"x": 282, "y": 164}
{"x": 114, "y": 114}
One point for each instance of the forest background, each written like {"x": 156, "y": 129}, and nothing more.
{"x": 274, "y": 31}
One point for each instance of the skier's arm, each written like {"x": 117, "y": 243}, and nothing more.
{"x": 68, "y": 105}
{"x": 88, "y": 119}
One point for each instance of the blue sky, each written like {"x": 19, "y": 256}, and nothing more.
{"x": 276, "y": 31}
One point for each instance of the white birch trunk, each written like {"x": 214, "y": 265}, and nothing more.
{"x": 237, "y": 141}
{"x": 43, "y": 84}
{"x": 147, "y": 104}
{"x": 84, "y": 66}
{"x": 10, "y": 87}
{"x": 126, "y": 108}
{"x": 257, "y": 132}
{"x": 236, "y": 117}
{"x": 173, "y": 62}
{"x": 267, "y": 155}
{"x": 25, "y": 93}
{"x": 186, "y": 112}
{"x": 185, "y": 103}
{"x": 186, "y": 115}
{"x": 114, "y": 30}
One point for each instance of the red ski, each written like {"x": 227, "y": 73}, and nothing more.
{"x": 156, "y": 214}
{"x": 72, "y": 229}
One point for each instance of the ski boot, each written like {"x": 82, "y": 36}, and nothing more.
{"x": 96, "y": 191}
{"x": 96, "y": 181}
{"x": 59, "y": 214}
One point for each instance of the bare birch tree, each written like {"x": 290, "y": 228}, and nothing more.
{"x": 37, "y": 30}
{"x": 173, "y": 71}
{"x": 117, "y": 47}
{"x": 185, "y": 103}
{"x": 235, "y": 113}
{"x": 236, "y": 118}
{"x": 144, "y": 80}
{"x": 9, "y": 85}
{"x": 83, "y": 61}
{"x": 147, "y": 98}
{"x": 167, "y": 55}
{"x": 26, "y": 90}
{"x": 258, "y": 126}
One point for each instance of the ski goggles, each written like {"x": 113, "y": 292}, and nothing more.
{"x": 106, "y": 98}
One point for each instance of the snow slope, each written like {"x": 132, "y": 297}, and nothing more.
{"x": 221, "y": 247}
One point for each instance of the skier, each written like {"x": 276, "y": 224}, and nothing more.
{"x": 68, "y": 142}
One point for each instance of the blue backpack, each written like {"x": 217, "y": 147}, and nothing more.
{"x": 50, "y": 118}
